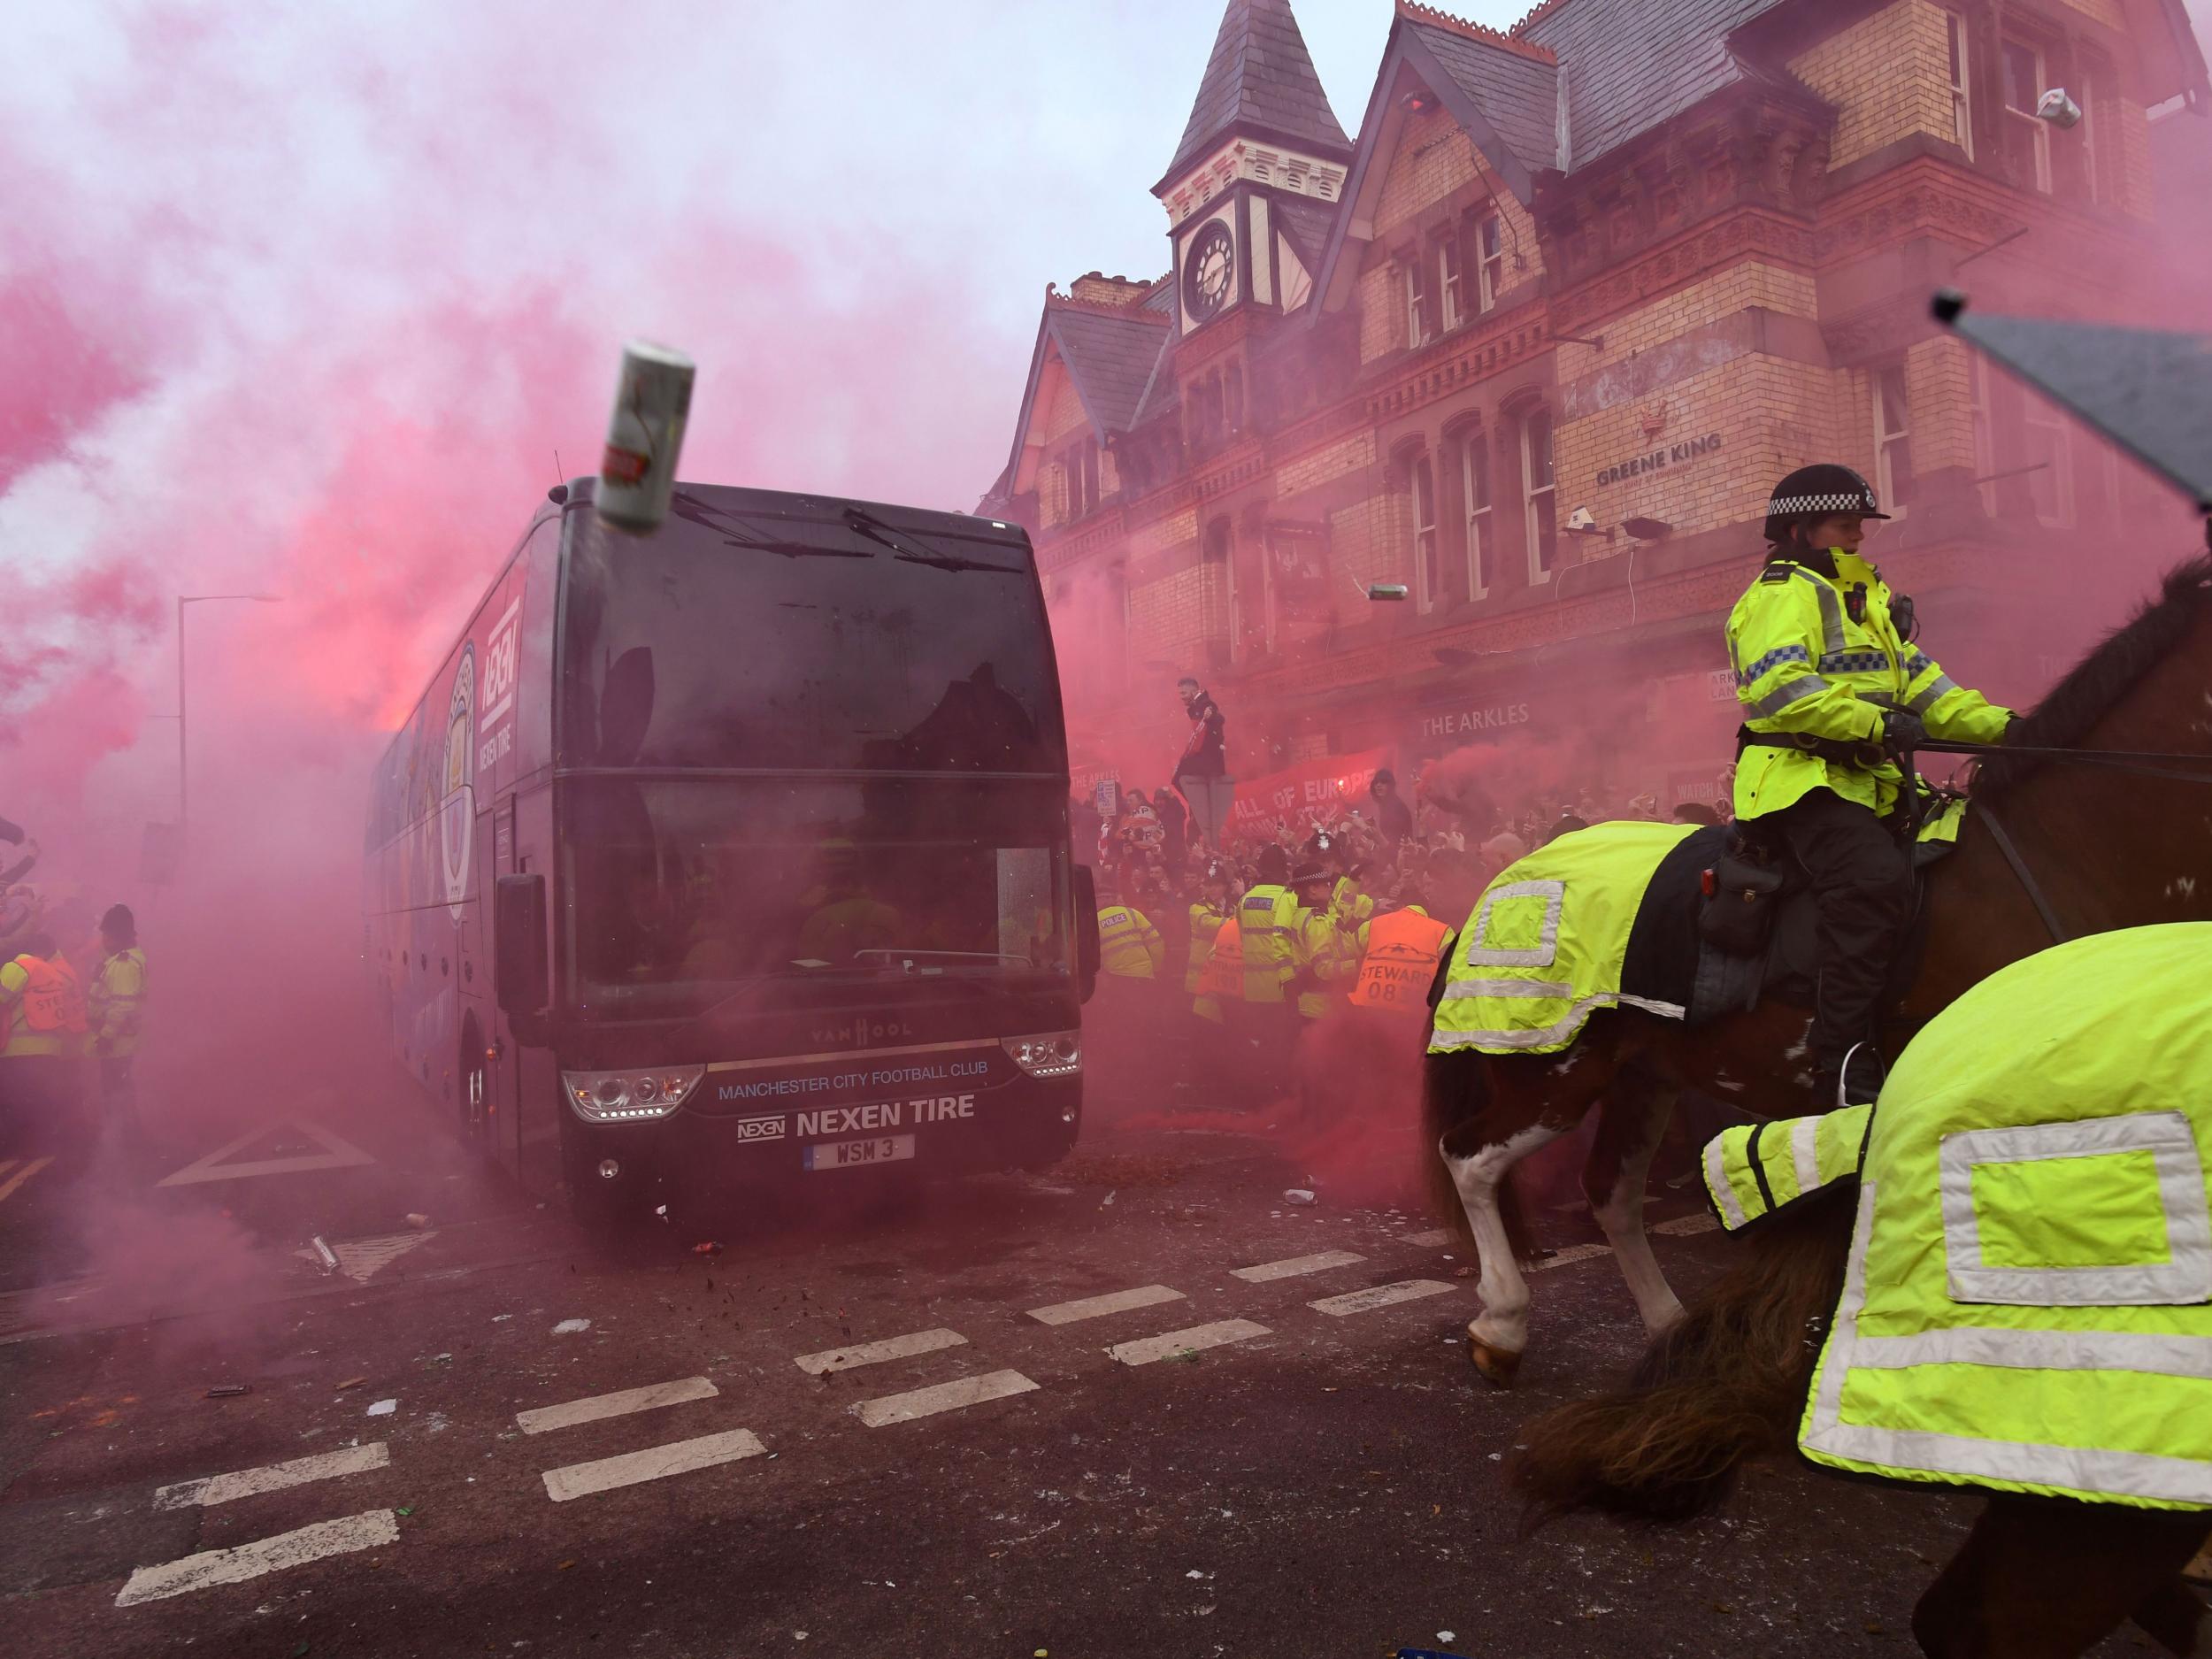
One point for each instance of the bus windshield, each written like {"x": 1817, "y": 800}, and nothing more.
{"x": 757, "y": 631}
{"x": 679, "y": 891}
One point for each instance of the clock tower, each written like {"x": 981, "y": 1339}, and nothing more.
{"x": 1262, "y": 162}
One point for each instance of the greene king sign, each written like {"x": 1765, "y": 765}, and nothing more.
{"x": 1660, "y": 459}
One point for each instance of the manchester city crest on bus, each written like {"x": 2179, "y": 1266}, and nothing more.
{"x": 457, "y": 806}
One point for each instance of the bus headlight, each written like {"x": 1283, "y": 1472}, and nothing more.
{"x": 604, "y": 1098}
{"x": 1053, "y": 1054}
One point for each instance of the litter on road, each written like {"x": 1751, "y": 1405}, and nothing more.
{"x": 1298, "y": 1195}
{"x": 229, "y": 1390}
{"x": 569, "y": 1327}
{"x": 382, "y": 1408}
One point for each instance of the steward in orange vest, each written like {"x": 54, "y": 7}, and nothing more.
{"x": 1404, "y": 949}
{"x": 42, "y": 1003}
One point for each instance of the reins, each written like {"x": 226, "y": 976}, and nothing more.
{"x": 2143, "y": 763}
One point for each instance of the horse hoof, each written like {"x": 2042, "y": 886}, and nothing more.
{"x": 1498, "y": 1365}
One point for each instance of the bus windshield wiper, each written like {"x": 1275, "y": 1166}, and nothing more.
{"x": 866, "y": 524}
{"x": 698, "y": 513}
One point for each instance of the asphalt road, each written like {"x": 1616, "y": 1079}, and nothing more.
{"x": 936, "y": 1423}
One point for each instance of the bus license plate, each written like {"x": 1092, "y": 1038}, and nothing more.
{"x": 845, "y": 1155}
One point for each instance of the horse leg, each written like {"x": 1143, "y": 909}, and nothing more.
{"x": 1534, "y": 1099}
{"x": 2049, "y": 1578}
{"x": 1498, "y": 1336}
{"x": 1632, "y": 1122}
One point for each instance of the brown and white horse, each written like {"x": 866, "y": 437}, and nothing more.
{"x": 2037, "y": 1578}
{"x": 2109, "y": 849}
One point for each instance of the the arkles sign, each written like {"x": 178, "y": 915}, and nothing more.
{"x": 1660, "y": 459}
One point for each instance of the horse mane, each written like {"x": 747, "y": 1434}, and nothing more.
{"x": 2073, "y": 707}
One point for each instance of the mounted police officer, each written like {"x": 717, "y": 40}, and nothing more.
{"x": 1833, "y": 692}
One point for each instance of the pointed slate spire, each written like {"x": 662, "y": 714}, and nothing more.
{"x": 1260, "y": 80}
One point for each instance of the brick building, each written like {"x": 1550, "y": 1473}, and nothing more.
{"x": 1536, "y": 341}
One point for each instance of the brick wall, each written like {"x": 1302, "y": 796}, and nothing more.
{"x": 2112, "y": 13}
{"x": 1724, "y": 294}
{"x": 1939, "y": 399}
{"x": 1367, "y": 543}
{"x": 1171, "y": 618}
{"x": 1324, "y": 465}
{"x": 1888, "y": 74}
{"x": 1066, "y": 413}
{"x": 1382, "y": 311}
{"x": 1770, "y": 415}
{"x": 1433, "y": 158}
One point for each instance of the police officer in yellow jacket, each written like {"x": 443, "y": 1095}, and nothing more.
{"x": 1833, "y": 690}
{"x": 1129, "y": 945}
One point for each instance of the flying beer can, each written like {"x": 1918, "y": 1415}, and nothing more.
{"x": 645, "y": 435}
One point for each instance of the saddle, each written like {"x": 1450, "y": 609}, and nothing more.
{"x": 1730, "y": 920}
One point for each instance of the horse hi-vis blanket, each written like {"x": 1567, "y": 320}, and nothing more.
{"x": 1547, "y": 943}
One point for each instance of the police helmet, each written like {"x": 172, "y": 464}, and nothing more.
{"x": 1822, "y": 491}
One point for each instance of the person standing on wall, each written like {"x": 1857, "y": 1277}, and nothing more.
{"x": 1202, "y": 773}
{"x": 117, "y": 1000}
{"x": 1393, "y": 816}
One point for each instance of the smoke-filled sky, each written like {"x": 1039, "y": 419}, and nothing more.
{"x": 305, "y": 298}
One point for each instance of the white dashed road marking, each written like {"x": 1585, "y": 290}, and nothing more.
{"x": 615, "y": 1405}
{"x": 1378, "y": 1296}
{"x": 268, "y": 1554}
{"x": 1145, "y": 1349}
{"x": 876, "y": 1353}
{"x": 354, "y": 1460}
{"x": 1095, "y": 1307}
{"x": 1435, "y": 1240}
{"x": 1572, "y": 1253}
{"x": 1292, "y": 1267}
{"x": 945, "y": 1396}
{"x": 1682, "y": 1226}
{"x": 677, "y": 1457}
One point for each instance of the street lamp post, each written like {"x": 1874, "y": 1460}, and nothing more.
{"x": 183, "y": 777}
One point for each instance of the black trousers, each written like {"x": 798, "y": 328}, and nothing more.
{"x": 1863, "y": 885}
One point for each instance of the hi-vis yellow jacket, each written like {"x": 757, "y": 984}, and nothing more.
{"x": 1128, "y": 944}
{"x": 2028, "y": 1303}
{"x": 1268, "y": 920}
{"x": 1820, "y": 656}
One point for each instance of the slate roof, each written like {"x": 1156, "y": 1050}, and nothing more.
{"x": 1259, "y": 79}
{"x": 1110, "y": 354}
{"x": 1631, "y": 65}
{"x": 1517, "y": 93}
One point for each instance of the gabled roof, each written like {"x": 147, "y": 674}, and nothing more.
{"x": 1512, "y": 84}
{"x": 1260, "y": 80}
{"x": 1109, "y": 353}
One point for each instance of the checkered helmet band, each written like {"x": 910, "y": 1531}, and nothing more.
{"x": 1860, "y": 502}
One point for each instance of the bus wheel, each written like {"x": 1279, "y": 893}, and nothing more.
{"x": 476, "y": 1083}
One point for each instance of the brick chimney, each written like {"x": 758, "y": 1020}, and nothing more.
{"x": 1106, "y": 291}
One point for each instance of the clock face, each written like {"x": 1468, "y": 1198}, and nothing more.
{"x": 1209, "y": 268}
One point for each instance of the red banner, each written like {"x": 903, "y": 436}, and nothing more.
{"x": 1296, "y": 793}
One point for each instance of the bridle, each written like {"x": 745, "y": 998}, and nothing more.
{"x": 2143, "y": 764}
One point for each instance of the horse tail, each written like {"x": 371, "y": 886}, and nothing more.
{"x": 1724, "y": 1385}
{"x": 1455, "y": 1091}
